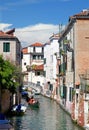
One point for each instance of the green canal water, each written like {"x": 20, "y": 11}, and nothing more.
{"x": 48, "y": 117}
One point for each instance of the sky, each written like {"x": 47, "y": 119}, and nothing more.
{"x": 36, "y": 20}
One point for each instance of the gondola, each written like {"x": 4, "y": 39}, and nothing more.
{"x": 33, "y": 103}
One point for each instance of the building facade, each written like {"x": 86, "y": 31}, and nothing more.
{"x": 33, "y": 59}
{"x": 10, "y": 49}
{"x": 51, "y": 66}
{"x": 74, "y": 51}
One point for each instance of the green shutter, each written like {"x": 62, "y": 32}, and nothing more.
{"x": 44, "y": 60}
{"x": 6, "y": 47}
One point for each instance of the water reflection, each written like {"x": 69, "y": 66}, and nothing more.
{"x": 48, "y": 117}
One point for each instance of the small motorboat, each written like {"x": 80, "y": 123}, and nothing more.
{"x": 18, "y": 110}
{"x": 5, "y": 124}
{"x": 33, "y": 102}
{"x": 36, "y": 92}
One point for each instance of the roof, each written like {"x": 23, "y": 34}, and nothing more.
{"x": 8, "y": 34}
{"x": 72, "y": 19}
{"x": 55, "y": 36}
{"x": 37, "y": 44}
{"x": 11, "y": 31}
{"x": 84, "y": 13}
{"x": 25, "y": 50}
{"x": 39, "y": 67}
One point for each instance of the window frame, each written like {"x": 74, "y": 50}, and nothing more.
{"x": 6, "y": 46}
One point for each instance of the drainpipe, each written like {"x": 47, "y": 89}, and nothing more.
{"x": 74, "y": 99}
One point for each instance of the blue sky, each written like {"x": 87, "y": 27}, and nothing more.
{"x": 33, "y": 18}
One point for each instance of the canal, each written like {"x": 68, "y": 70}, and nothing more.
{"x": 48, "y": 117}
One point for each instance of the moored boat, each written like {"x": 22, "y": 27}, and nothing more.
{"x": 18, "y": 110}
{"x": 24, "y": 94}
{"x": 5, "y": 124}
{"x": 36, "y": 92}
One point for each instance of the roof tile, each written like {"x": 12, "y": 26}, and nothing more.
{"x": 37, "y": 44}
{"x": 25, "y": 50}
{"x": 85, "y": 12}
{"x": 6, "y": 34}
{"x": 39, "y": 67}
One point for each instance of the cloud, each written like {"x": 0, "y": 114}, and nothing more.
{"x": 32, "y": 33}
{"x": 4, "y": 26}
{"x": 36, "y": 33}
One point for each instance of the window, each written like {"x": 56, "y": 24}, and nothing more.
{"x": 34, "y": 57}
{"x": 71, "y": 93}
{"x": 6, "y": 47}
{"x": 38, "y": 83}
{"x": 37, "y": 73}
{"x": 44, "y": 73}
{"x": 51, "y": 87}
{"x": 51, "y": 57}
{"x": 24, "y": 63}
{"x": 59, "y": 68}
{"x": 44, "y": 60}
{"x": 42, "y": 49}
{"x": 34, "y": 49}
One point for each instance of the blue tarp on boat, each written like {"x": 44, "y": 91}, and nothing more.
{"x": 24, "y": 93}
{"x": 4, "y": 123}
{"x": 3, "y": 120}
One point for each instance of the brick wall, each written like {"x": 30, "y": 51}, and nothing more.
{"x": 80, "y": 120}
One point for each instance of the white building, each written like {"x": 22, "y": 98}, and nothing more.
{"x": 51, "y": 50}
{"x": 25, "y": 62}
{"x": 32, "y": 63}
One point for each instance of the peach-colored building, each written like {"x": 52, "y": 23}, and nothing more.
{"x": 74, "y": 54}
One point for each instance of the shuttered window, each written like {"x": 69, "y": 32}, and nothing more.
{"x": 6, "y": 47}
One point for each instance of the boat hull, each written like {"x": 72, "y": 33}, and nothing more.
{"x": 16, "y": 111}
{"x": 5, "y": 123}
{"x": 34, "y": 105}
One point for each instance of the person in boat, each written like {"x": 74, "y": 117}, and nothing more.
{"x": 18, "y": 108}
{"x": 31, "y": 100}
{"x": 28, "y": 98}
